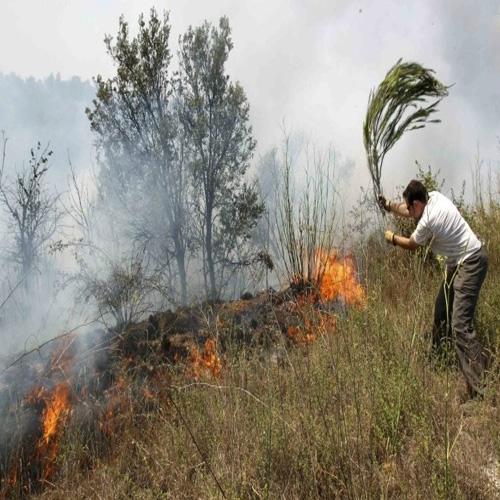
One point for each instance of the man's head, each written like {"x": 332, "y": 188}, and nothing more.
{"x": 416, "y": 197}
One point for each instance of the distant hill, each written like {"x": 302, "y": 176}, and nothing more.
{"x": 50, "y": 111}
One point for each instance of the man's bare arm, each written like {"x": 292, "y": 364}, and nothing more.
{"x": 405, "y": 243}
{"x": 399, "y": 208}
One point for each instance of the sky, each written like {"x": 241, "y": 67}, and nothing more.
{"x": 306, "y": 65}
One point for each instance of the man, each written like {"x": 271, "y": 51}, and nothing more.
{"x": 440, "y": 223}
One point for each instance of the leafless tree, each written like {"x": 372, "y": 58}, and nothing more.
{"x": 33, "y": 212}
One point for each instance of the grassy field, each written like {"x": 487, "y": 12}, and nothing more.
{"x": 356, "y": 410}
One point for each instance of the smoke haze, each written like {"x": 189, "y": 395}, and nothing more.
{"x": 306, "y": 65}
{"x": 311, "y": 64}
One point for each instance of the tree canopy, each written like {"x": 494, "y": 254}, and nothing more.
{"x": 174, "y": 149}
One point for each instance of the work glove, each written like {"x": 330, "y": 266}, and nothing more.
{"x": 389, "y": 237}
{"x": 386, "y": 205}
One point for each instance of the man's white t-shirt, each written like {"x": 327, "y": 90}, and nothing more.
{"x": 448, "y": 232}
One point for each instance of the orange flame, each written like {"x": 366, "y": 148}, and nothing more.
{"x": 313, "y": 325}
{"x": 57, "y": 405}
{"x": 334, "y": 280}
{"x": 56, "y": 410}
{"x": 339, "y": 280}
{"x": 208, "y": 361}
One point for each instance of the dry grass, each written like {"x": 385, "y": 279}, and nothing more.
{"x": 359, "y": 413}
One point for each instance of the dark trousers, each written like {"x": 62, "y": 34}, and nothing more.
{"x": 453, "y": 318}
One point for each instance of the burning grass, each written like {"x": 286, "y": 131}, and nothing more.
{"x": 339, "y": 281}
{"x": 281, "y": 396}
{"x": 70, "y": 391}
{"x": 344, "y": 416}
{"x": 206, "y": 362}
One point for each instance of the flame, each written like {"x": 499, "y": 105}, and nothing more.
{"x": 56, "y": 404}
{"x": 334, "y": 280}
{"x": 339, "y": 280}
{"x": 303, "y": 334}
{"x": 56, "y": 410}
{"x": 313, "y": 324}
{"x": 208, "y": 361}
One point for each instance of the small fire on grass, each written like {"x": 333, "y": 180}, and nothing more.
{"x": 315, "y": 324}
{"x": 206, "y": 362}
{"x": 335, "y": 281}
{"x": 339, "y": 280}
{"x": 57, "y": 404}
{"x": 56, "y": 410}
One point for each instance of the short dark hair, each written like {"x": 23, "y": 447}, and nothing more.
{"x": 415, "y": 191}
